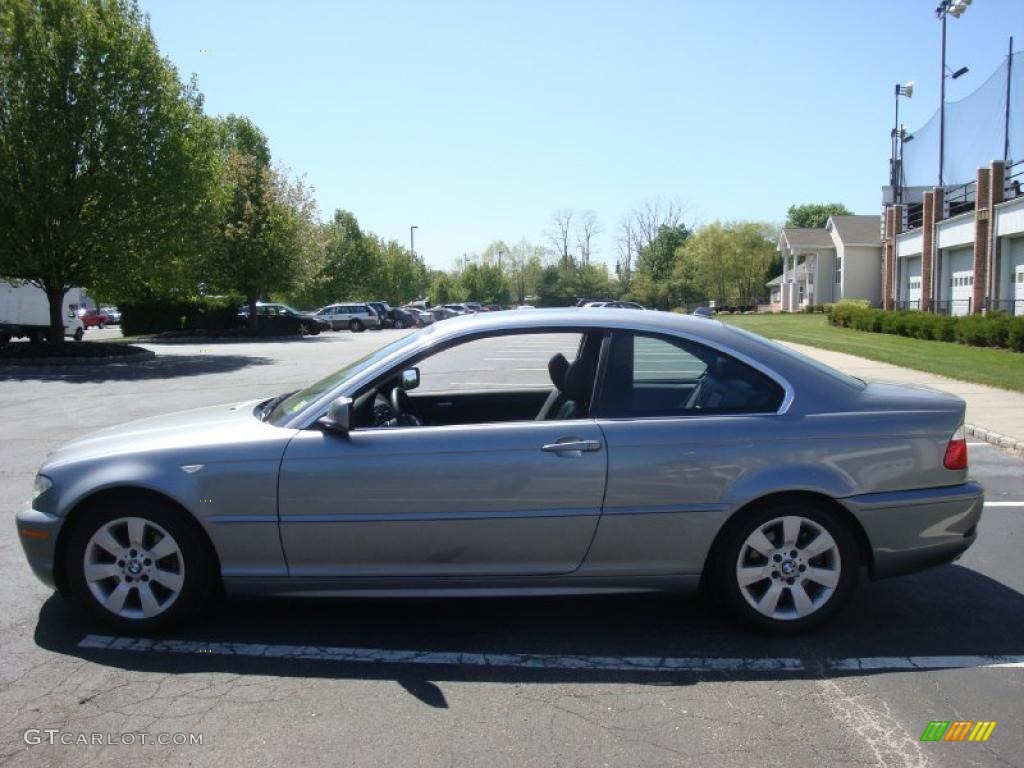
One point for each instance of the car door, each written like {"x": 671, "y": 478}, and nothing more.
{"x": 505, "y": 498}
{"x": 467, "y": 500}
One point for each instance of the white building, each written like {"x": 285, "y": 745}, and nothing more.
{"x": 842, "y": 260}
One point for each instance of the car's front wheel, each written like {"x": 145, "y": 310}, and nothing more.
{"x": 786, "y": 567}
{"x": 355, "y": 326}
{"x": 140, "y": 568}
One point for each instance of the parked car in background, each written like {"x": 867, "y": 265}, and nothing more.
{"x": 624, "y": 305}
{"x": 703, "y": 312}
{"x": 356, "y": 317}
{"x": 665, "y": 452}
{"x": 423, "y": 316}
{"x": 288, "y": 317}
{"x": 444, "y": 311}
{"x": 593, "y": 304}
{"x": 461, "y": 309}
{"x": 113, "y": 315}
{"x": 494, "y": 307}
{"x": 475, "y": 306}
{"x": 384, "y": 312}
{"x": 93, "y": 318}
{"x": 406, "y": 318}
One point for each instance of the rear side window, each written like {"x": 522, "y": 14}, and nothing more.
{"x": 650, "y": 376}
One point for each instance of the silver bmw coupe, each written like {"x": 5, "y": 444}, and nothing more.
{"x": 547, "y": 452}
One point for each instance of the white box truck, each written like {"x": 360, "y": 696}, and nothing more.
{"x": 25, "y": 311}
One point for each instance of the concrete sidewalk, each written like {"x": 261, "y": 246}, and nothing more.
{"x": 993, "y": 415}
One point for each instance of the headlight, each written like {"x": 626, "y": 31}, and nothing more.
{"x": 43, "y": 484}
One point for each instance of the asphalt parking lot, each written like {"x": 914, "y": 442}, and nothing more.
{"x": 630, "y": 681}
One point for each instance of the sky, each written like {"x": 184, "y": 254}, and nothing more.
{"x": 477, "y": 119}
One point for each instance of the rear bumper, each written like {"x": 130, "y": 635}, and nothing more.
{"x": 912, "y": 530}
{"x": 38, "y": 534}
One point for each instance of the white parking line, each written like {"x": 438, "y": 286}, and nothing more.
{"x": 976, "y": 445}
{"x": 1004, "y": 503}
{"x": 547, "y": 661}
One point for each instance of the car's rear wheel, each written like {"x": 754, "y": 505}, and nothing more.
{"x": 355, "y": 326}
{"x": 79, "y": 333}
{"x": 140, "y": 568}
{"x": 399, "y": 324}
{"x": 786, "y": 567}
{"x": 101, "y": 326}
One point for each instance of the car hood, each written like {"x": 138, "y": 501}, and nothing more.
{"x": 196, "y": 434}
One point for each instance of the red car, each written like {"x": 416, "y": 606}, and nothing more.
{"x": 94, "y": 318}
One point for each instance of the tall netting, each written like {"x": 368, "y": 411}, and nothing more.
{"x": 975, "y": 131}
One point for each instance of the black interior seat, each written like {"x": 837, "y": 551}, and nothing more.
{"x": 557, "y": 367}
{"x": 579, "y": 383}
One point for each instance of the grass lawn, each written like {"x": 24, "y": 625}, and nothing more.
{"x": 995, "y": 367}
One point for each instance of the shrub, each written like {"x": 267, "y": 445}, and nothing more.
{"x": 1015, "y": 334}
{"x": 159, "y": 315}
{"x": 973, "y": 330}
{"x": 944, "y": 328}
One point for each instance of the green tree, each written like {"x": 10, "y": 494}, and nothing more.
{"x": 105, "y": 156}
{"x": 656, "y": 263}
{"x": 269, "y": 241}
{"x": 814, "y": 215}
{"x": 728, "y": 262}
{"x": 445, "y": 289}
{"x": 485, "y": 283}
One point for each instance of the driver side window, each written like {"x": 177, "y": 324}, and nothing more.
{"x": 509, "y": 377}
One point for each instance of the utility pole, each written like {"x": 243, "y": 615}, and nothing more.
{"x": 412, "y": 240}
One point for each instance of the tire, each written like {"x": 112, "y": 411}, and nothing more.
{"x": 79, "y": 333}
{"x": 101, "y": 326}
{"x": 303, "y": 329}
{"x": 356, "y": 326}
{"x": 314, "y": 330}
{"x": 399, "y": 325}
{"x": 36, "y": 337}
{"x": 782, "y": 592}
{"x": 153, "y": 593}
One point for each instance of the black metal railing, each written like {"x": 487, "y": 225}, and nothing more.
{"x": 959, "y": 199}
{"x": 908, "y": 304}
{"x": 913, "y": 215}
{"x": 952, "y": 307}
{"x": 1014, "y": 180}
{"x": 1010, "y": 306}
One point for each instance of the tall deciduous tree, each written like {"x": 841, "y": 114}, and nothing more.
{"x": 814, "y": 215}
{"x": 269, "y": 241}
{"x": 105, "y": 155}
{"x": 559, "y": 234}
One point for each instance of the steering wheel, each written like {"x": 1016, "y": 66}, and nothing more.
{"x": 401, "y": 405}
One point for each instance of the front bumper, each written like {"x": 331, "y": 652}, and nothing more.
{"x": 38, "y": 533}
{"x": 912, "y": 530}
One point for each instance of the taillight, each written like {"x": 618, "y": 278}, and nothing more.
{"x": 956, "y": 450}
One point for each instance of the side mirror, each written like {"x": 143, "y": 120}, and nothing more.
{"x": 410, "y": 379}
{"x": 339, "y": 416}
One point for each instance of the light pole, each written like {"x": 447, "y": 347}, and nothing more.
{"x": 500, "y": 254}
{"x": 944, "y": 9}
{"x": 895, "y": 171}
{"x": 412, "y": 239}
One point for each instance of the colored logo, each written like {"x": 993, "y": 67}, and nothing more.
{"x": 958, "y": 730}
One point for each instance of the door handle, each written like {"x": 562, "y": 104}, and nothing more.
{"x": 572, "y": 445}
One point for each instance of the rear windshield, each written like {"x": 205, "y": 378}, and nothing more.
{"x": 850, "y": 381}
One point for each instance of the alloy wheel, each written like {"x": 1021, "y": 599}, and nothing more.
{"x": 134, "y": 568}
{"x": 788, "y": 568}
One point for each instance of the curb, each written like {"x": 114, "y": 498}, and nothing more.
{"x": 1008, "y": 444}
{"x": 32, "y": 362}
{"x": 217, "y": 340}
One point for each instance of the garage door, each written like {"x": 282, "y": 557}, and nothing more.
{"x": 961, "y": 288}
{"x": 1016, "y": 253}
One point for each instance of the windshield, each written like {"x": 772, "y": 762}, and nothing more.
{"x": 294, "y": 403}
